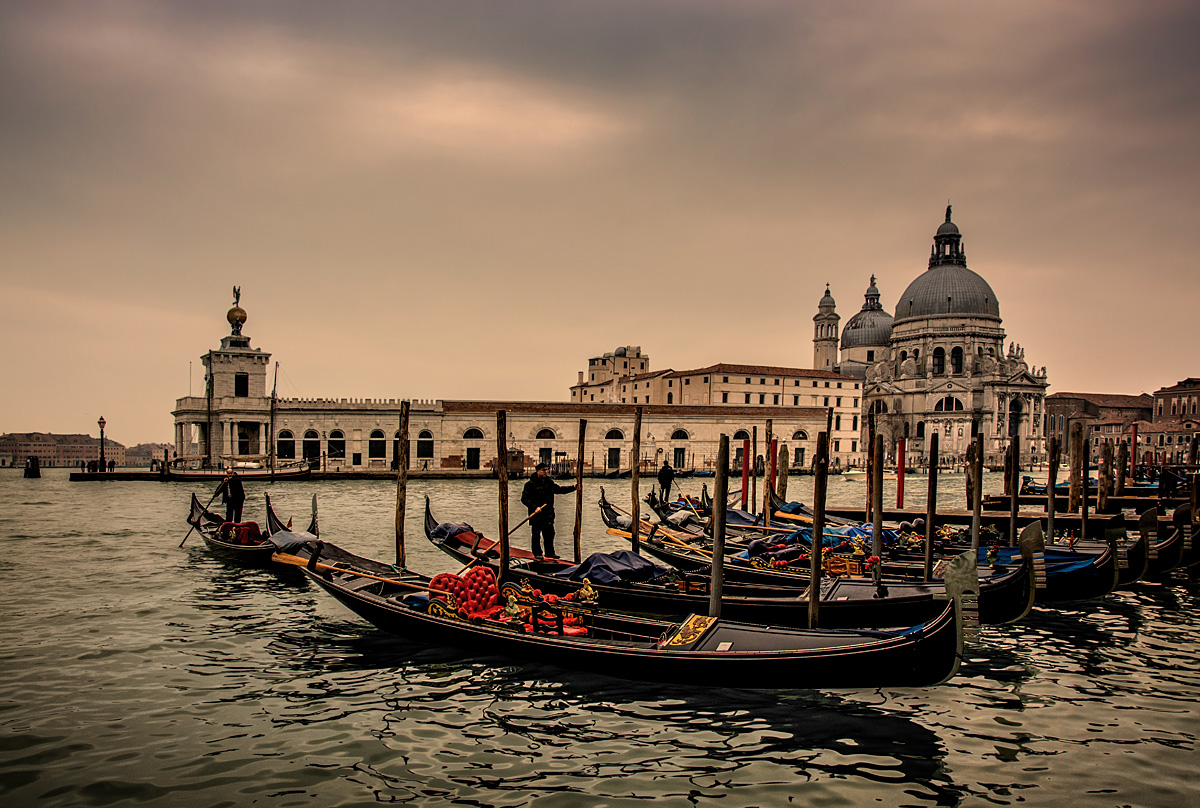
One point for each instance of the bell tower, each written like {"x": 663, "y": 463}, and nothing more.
{"x": 825, "y": 333}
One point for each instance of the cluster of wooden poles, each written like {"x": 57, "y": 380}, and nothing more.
{"x": 720, "y": 498}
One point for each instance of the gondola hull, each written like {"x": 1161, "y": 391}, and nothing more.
{"x": 727, "y": 653}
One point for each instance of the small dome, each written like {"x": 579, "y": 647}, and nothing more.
{"x": 871, "y": 328}
{"x": 948, "y": 228}
{"x": 827, "y": 300}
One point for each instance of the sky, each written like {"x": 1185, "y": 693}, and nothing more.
{"x": 466, "y": 200}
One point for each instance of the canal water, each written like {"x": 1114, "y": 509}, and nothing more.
{"x": 133, "y": 672}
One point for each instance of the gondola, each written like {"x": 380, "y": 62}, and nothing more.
{"x": 1169, "y": 543}
{"x": 1006, "y": 589}
{"x": 243, "y": 541}
{"x": 642, "y": 587}
{"x": 517, "y": 622}
{"x": 291, "y": 472}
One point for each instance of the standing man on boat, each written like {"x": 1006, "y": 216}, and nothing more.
{"x": 233, "y": 495}
{"x": 539, "y": 491}
{"x": 666, "y": 476}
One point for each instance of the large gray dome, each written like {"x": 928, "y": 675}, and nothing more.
{"x": 871, "y": 327}
{"x": 947, "y": 288}
{"x": 946, "y": 291}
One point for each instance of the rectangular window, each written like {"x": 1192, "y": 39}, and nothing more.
{"x": 762, "y": 398}
{"x": 870, "y": 358}
{"x": 826, "y": 404}
{"x": 725, "y": 379}
{"x": 241, "y": 385}
{"x": 776, "y": 397}
{"x": 814, "y": 384}
{"x": 670, "y": 383}
{"x": 687, "y": 381}
{"x": 797, "y": 384}
{"x": 854, "y": 446}
{"x": 762, "y": 381}
{"x": 724, "y": 400}
{"x": 837, "y": 446}
{"x": 777, "y": 381}
{"x": 839, "y": 385}
{"x": 747, "y": 398}
{"x": 839, "y": 401}
{"x": 706, "y": 380}
{"x": 747, "y": 380}
{"x": 796, "y": 401}
{"x": 856, "y": 400}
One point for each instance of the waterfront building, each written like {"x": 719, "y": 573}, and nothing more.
{"x": 940, "y": 363}
{"x": 53, "y": 450}
{"x": 624, "y": 377}
{"x": 237, "y": 420}
{"x": 1105, "y": 417}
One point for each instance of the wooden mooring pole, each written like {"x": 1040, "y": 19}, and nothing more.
{"x": 402, "y": 483}
{"x": 931, "y": 504}
{"x": 720, "y": 497}
{"x": 502, "y": 476}
{"x": 820, "y": 488}
{"x": 579, "y": 490}
{"x": 636, "y": 511}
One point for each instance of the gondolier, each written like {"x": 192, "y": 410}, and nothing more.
{"x": 666, "y": 476}
{"x": 538, "y": 492}
{"x": 233, "y": 495}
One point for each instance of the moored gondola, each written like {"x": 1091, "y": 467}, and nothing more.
{"x": 627, "y": 582}
{"x": 472, "y": 613}
{"x": 1006, "y": 588}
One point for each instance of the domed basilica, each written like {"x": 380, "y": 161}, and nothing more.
{"x": 939, "y": 363}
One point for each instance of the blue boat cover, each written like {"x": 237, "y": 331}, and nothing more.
{"x": 448, "y": 530}
{"x": 623, "y": 566}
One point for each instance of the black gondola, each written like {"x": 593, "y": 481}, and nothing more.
{"x": 1006, "y": 591}
{"x": 845, "y": 602}
{"x": 243, "y": 541}
{"x": 699, "y": 650}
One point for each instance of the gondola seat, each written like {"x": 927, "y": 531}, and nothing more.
{"x": 476, "y": 592}
{"x": 240, "y": 533}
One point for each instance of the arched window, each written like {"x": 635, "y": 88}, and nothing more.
{"x": 337, "y": 445}
{"x": 878, "y": 406}
{"x": 473, "y": 434}
{"x": 285, "y": 446}
{"x": 906, "y": 426}
{"x": 679, "y": 434}
{"x": 741, "y": 434}
{"x": 948, "y": 404}
{"x": 903, "y": 355}
{"x": 920, "y": 429}
{"x": 425, "y": 445}
{"x": 377, "y": 445}
{"x": 799, "y": 434}
{"x": 956, "y": 361}
{"x": 614, "y": 434}
{"x": 545, "y": 434}
{"x": 312, "y": 445}
{"x": 939, "y": 361}
{"x": 670, "y": 398}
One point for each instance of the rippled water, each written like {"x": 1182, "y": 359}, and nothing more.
{"x": 133, "y": 672}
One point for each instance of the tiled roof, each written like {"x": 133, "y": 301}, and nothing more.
{"x": 1143, "y": 400}
{"x": 567, "y": 408}
{"x": 763, "y": 370}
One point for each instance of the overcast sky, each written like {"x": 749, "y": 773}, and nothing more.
{"x": 468, "y": 199}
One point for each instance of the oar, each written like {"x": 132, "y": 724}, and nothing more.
{"x": 475, "y": 558}
{"x": 297, "y": 561}
{"x": 210, "y": 502}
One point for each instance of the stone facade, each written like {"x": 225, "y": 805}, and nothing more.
{"x": 232, "y": 421}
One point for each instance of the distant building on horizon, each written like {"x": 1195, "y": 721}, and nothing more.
{"x": 57, "y": 451}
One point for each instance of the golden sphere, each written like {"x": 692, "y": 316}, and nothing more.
{"x": 236, "y": 316}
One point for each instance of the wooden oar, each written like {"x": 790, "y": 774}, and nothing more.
{"x": 475, "y": 558}
{"x": 297, "y": 561}
{"x": 210, "y": 502}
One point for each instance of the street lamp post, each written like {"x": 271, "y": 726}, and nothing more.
{"x": 102, "y": 423}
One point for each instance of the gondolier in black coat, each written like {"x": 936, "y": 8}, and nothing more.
{"x": 666, "y": 476}
{"x": 233, "y": 495}
{"x": 538, "y": 492}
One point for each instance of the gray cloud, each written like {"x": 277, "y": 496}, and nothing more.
{"x": 467, "y": 199}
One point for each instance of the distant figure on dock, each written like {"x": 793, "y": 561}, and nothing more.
{"x": 666, "y": 476}
{"x": 233, "y": 495}
{"x": 539, "y": 491}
